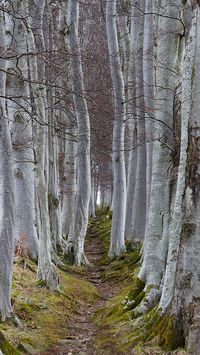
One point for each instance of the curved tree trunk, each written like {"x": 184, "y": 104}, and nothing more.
{"x": 119, "y": 195}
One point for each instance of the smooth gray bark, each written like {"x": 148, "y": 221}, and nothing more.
{"x": 153, "y": 266}
{"x": 46, "y": 269}
{"x": 148, "y": 77}
{"x": 81, "y": 211}
{"x": 22, "y": 141}
{"x": 7, "y": 214}
{"x": 117, "y": 245}
{"x": 139, "y": 196}
{"x": 177, "y": 213}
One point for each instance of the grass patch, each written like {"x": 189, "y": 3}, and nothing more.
{"x": 44, "y": 314}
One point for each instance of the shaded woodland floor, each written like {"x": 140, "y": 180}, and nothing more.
{"x": 81, "y": 331}
{"x": 85, "y": 334}
{"x": 88, "y": 315}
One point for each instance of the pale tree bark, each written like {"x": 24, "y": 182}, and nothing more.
{"x": 68, "y": 140}
{"x": 68, "y": 178}
{"x": 52, "y": 40}
{"x": 139, "y": 196}
{"x": 178, "y": 214}
{"x": 153, "y": 266}
{"x": 131, "y": 127}
{"x": 92, "y": 196}
{"x": 123, "y": 27}
{"x": 22, "y": 140}
{"x": 46, "y": 269}
{"x": 148, "y": 77}
{"x": 6, "y": 193}
{"x": 181, "y": 293}
{"x": 81, "y": 212}
{"x": 117, "y": 245}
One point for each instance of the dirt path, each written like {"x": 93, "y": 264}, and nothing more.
{"x": 81, "y": 330}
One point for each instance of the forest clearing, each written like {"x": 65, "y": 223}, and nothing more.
{"x": 100, "y": 177}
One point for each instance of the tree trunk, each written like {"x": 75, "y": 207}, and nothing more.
{"x": 46, "y": 270}
{"x": 6, "y": 193}
{"x": 80, "y": 222}
{"x": 153, "y": 266}
{"x": 117, "y": 245}
{"x": 20, "y": 114}
{"x": 139, "y": 196}
{"x": 148, "y": 77}
{"x": 177, "y": 214}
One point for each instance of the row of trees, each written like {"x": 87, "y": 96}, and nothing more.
{"x": 56, "y": 71}
{"x": 45, "y": 139}
{"x": 154, "y": 59}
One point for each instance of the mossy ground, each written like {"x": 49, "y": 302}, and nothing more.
{"x": 44, "y": 314}
{"x": 98, "y": 304}
{"x": 147, "y": 334}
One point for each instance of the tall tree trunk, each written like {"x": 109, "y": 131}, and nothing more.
{"x": 46, "y": 270}
{"x": 153, "y": 266}
{"x": 181, "y": 291}
{"x": 139, "y": 196}
{"x": 131, "y": 128}
{"x": 117, "y": 245}
{"x": 177, "y": 214}
{"x": 20, "y": 114}
{"x": 6, "y": 193}
{"x": 80, "y": 223}
{"x": 148, "y": 77}
{"x": 52, "y": 40}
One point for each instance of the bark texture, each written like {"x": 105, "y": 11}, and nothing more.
{"x": 119, "y": 194}
{"x": 81, "y": 211}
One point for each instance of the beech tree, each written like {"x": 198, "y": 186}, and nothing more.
{"x": 119, "y": 194}
{"x": 21, "y": 126}
{"x": 143, "y": 75}
{"x": 7, "y": 216}
{"x": 46, "y": 269}
{"x": 81, "y": 208}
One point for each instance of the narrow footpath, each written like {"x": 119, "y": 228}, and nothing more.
{"x": 81, "y": 329}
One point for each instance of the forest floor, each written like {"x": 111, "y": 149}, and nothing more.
{"x": 87, "y": 332}
{"x": 88, "y": 315}
{"x": 81, "y": 331}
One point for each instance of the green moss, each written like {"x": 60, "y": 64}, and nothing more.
{"x": 137, "y": 288}
{"x": 53, "y": 201}
{"x": 40, "y": 283}
{"x": 44, "y": 314}
{"x": 6, "y": 347}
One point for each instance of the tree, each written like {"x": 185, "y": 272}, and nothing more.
{"x": 7, "y": 219}
{"x": 119, "y": 194}
{"x": 81, "y": 210}
{"x": 137, "y": 199}
{"x": 157, "y": 235}
{"x": 46, "y": 269}
{"x": 19, "y": 115}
